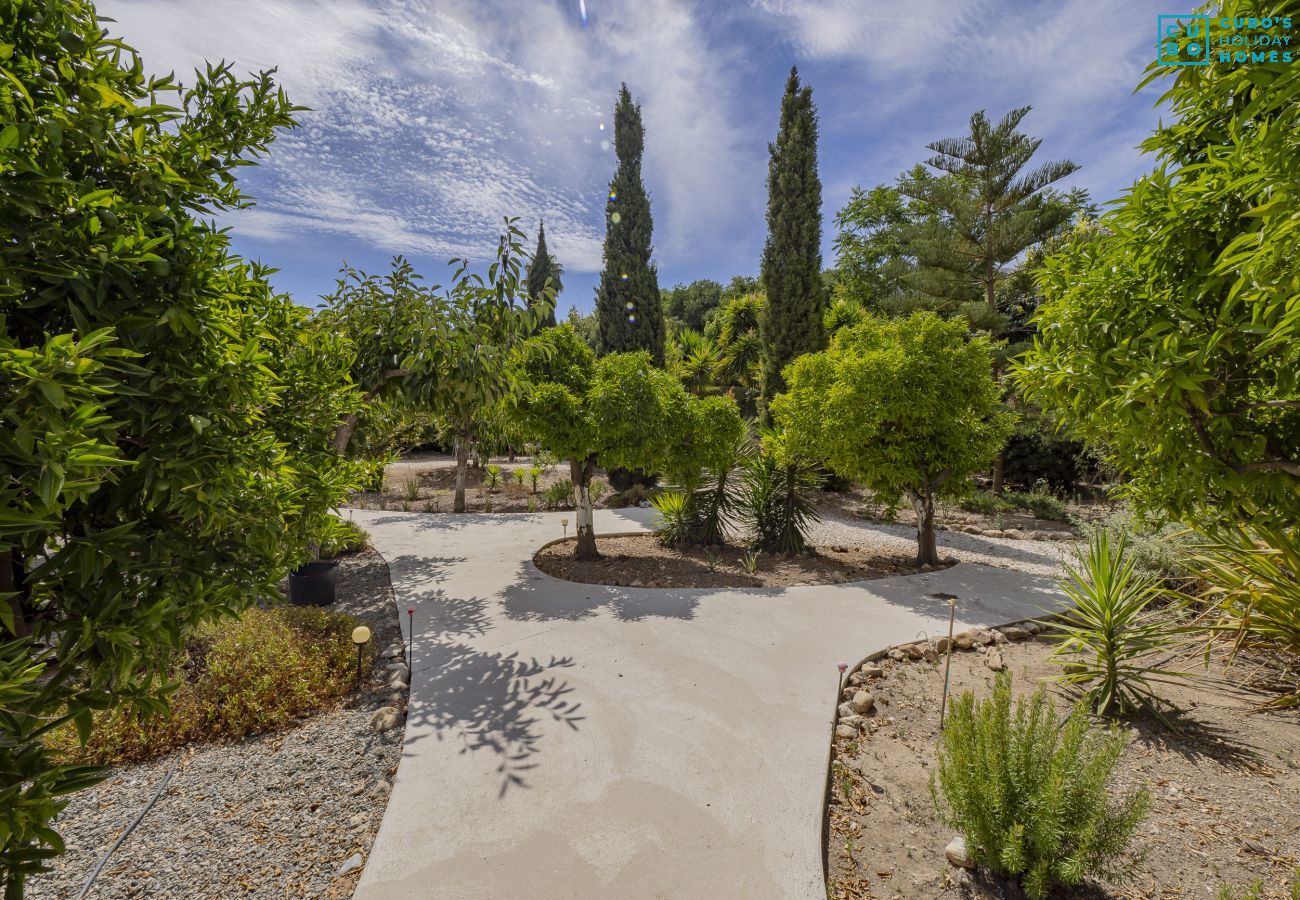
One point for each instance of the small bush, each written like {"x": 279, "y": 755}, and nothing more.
{"x": 534, "y": 475}
{"x": 1110, "y": 633}
{"x": 412, "y": 488}
{"x": 1161, "y": 550}
{"x": 1040, "y": 503}
{"x": 493, "y": 477}
{"x": 238, "y": 677}
{"x": 597, "y": 490}
{"x": 1031, "y": 796}
{"x": 520, "y": 475}
{"x": 676, "y": 523}
{"x": 633, "y": 496}
{"x": 343, "y": 536}
{"x": 984, "y": 503}
{"x": 559, "y": 495}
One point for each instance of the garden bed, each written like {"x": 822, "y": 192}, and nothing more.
{"x": 1224, "y": 786}
{"x": 640, "y": 560}
{"x": 286, "y": 814}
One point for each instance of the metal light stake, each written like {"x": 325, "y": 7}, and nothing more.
{"x": 410, "y": 639}
{"x": 947, "y": 668}
{"x": 360, "y": 637}
{"x": 564, "y": 523}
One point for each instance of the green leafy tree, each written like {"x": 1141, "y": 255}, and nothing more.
{"x": 616, "y": 411}
{"x": 543, "y": 280}
{"x": 583, "y": 326}
{"x": 906, "y": 406}
{"x": 871, "y": 253}
{"x": 791, "y": 322}
{"x": 629, "y": 315}
{"x": 459, "y": 366}
{"x": 740, "y": 349}
{"x": 166, "y": 418}
{"x": 703, "y": 451}
{"x": 990, "y": 210}
{"x": 1168, "y": 336}
{"x": 693, "y": 305}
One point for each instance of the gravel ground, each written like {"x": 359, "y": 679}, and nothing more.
{"x": 1032, "y": 556}
{"x": 290, "y": 814}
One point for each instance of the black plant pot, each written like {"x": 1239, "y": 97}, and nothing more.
{"x": 312, "y": 584}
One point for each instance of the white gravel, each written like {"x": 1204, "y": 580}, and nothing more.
{"x": 272, "y": 816}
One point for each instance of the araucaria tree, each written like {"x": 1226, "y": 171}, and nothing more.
{"x": 987, "y": 209}
{"x": 628, "y": 312}
{"x": 543, "y": 281}
{"x": 166, "y": 418}
{"x": 906, "y": 406}
{"x": 1169, "y": 335}
{"x": 791, "y": 322}
{"x": 618, "y": 410}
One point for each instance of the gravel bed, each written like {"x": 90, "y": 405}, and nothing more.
{"x": 288, "y": 814}
{"x": 1032, "y": 556}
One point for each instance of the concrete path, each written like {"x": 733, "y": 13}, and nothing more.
{"x": 571, "y": 740}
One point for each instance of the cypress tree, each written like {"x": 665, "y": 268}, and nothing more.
{"x": 628, "y": 313}
{"x": 543, "y": 268}
{"x": 791, "y": 323}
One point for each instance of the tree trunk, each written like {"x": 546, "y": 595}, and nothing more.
{"x": 462, "y": 460}
{"x": 927, "y": 551}
{"x": 343, "y": 433}
{"x": 998, "y": 465}
{"x": 581, "y": 472}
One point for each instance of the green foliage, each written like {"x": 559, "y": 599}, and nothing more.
{"x": 791, "y": 319}
{"x": 740, "y": 349}
{"x": 721, "y": 492}
{"x": 676, "y": 517}
{"x": 534, "y": 475}
{"x": 559, "y": 495}
{"x": 871, "y": 255}
{"x": 749, "y": 561}
{"x": 493, "y": 473}
{"x": 1254, "y": 580}
{"x": 519, "y": 476}
{"x": 166, "y": 418}
{"x": 411, "y": 488}
{"x": 779, "y": 493}
{"x": 1038, "y": 502}
{"x": 342, "y": 536}
{"x": 543, "y": 280}
{"x": 1155, "y": 549}
{"x": 989, "y": 210}
{"x": 843, "y": 313}
{"x": 905, "y": 406}
{"x": 694, "y": 359}
{"x": 629, "y": 315}
{"x": 257, "y": 673}
{"x": 693, "y": 305}
{"x": 1110, "y": 634}
{"x": 1030, "y": 795}
{"x": 1168, "y": 336}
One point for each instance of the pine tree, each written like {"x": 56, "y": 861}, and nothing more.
{"x": 628, "y": 313}
{"x": 544, "y": 272}
{"x": 791, "y": 323}
{"x": 989, "y": 213}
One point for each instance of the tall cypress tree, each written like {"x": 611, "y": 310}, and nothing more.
{"x": 628, "y": 314}
{"x": 791, "y": 323}
{"x": 542, "y": 269}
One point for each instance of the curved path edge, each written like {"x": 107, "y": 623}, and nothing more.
{"x": 578, "y": 740}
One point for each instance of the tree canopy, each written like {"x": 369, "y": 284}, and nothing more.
{"x": 907, "y": 406}
{"x": 166, "y": 418}
{"x": 543, "y": 279}
{"x": 1169, "y": 337}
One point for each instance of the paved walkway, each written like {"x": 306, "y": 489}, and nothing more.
{"x": 572, "y": 740}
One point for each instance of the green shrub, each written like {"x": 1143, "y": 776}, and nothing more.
{"x": 493, "y": 477}
{"x": 239, "y": 677}
{"x": 412, "y": 488}
{"x": 677, "y": 521}
{"x": 1030, "y": 795}
{"x": 1154, "y": 549}
{"x": 343, "y": 536}
{"x": 1254, "y": 581}
{"x": 559, "y": 494}
{"x": 520, "y": 474}
{"x": 985, "y": 503}
{"x": 1110, "y": 633}
{"x": 596, "y": 489}
{"x": 778, "y": 502}
{"x": 1039, "y": 502}
{"x": 534, "y": 475}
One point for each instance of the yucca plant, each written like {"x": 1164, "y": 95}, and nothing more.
{"x": 1030, "y": 795}
{"x": 675, "y": 522}
{"x": 1110, "y": 633}
{"x": 1254, "y": 584}
{"x": 519, "y": 477}
{"x": 534, "y": 475}
{"x": 721, "y": 493}
{"x": 779, "y": 499}
{"x": 413, "y": 488}
{"x": 493, "y": 477}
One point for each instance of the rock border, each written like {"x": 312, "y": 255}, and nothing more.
{"x": 850, "y": 692}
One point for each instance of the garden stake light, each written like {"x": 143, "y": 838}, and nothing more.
{"x": 410, "y": 638}
{"x": 947, "y": 666}
{"x": 565, "y": 524}
{"x": 360, "y": 637}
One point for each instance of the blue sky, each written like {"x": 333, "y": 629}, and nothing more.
{"x": 431, "y": 121}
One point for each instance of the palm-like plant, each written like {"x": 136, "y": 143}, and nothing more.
{"x": 695, "y": 362}
{"x": 1108, "y": 636}
{"x": 780, "y": 497}
{"x": 1255, "y": 581}
{"x": 740, "y": 347}
{"x": 676, "y": 519}
{"x": 720, "y": 495}
{"x": 493, "y": 477}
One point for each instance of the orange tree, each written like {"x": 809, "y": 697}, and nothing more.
{"x": 166, "y": 418}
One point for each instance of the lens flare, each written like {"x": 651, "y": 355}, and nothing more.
{"x": 632, "y": 319}
{"x": 615, "y": 218}
{"x": 613, "y": 196}
{"x": 631, "y": 307}
{"x": 623, "y": 277}
{"x": 582, "y": 12}
{"x": 602, "y": 126}
{"x": 604, "y": 145}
